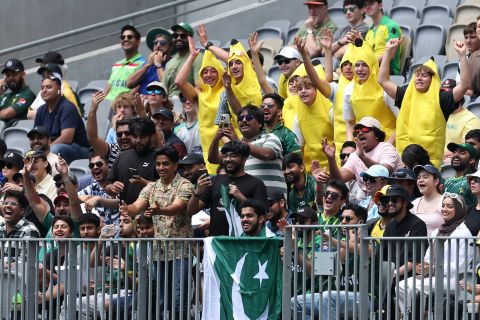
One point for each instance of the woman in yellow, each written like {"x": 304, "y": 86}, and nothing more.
{"x": 207, "y": 94}
{"x": 365, "y": 97}
{"x": 424, "y": 108}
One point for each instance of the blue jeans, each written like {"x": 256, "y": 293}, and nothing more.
{"x": 174, "y": 287}
{"x": 70, "y": 152}
{"x": 344, "y": 298}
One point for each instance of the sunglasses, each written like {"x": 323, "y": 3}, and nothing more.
{"x": 365, "y": 130}
{"x": 346, "y": 218}
{"x": 386, "y": 200}
{"x": 267, "y": 105}
{"x": 128, "y": 36}
{"x": 180, "y": 35}
{"x": 160, "y": 42}
{"x": 182, "y": 99}
{"x": 156, "y": 91}
{"x": 370, "y": 179}
{"x": 8, "y": 165}
{"x": 454, "y": 196}
{"x": 247, "y": 118}
{"x": 333, "y": 195}
{"x": 344, "y": 156}
{"x": 282, "y": 61}
{"x": 121, "y": 133}
{"x": 10, "y": 203}
{"x": 474, "y": 179}
{"x": 98, "y": 164}
{"x": 59, "y": 184}
{"x": 351, "y": 9}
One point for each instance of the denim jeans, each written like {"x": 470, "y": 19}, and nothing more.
{"x": 344, "y": 298}
{"x": 175, "y": 285}
{"x": 70, "y": 152}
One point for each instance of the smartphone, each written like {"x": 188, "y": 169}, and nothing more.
{"x": 203, "y": 171}
{"x": 225, "y": 120}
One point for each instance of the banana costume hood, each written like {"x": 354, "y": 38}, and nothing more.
{"x": 421, "y": 120}
{"x": 208, "y": 101}
{"x": 367, "y": 99}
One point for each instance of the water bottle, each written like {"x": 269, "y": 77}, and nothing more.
{"x": 325, "y": 246}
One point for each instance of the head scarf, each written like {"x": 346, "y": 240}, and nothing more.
{"x": 448, "y": 227}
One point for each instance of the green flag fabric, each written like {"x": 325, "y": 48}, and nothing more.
{"x": 242, "y": 278}
{"x": 233, "y": 217}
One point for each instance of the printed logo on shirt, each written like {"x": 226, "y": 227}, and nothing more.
{"x": 22, "y": 101}
{"x": 145, "y": 164}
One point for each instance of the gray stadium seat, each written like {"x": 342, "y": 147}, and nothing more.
{"x": 409, "y": 30}
{"x": 85, "y": 93}
{"x": 79, "y": 167}
{"x": 300, "y": 23}
{"x": 399, "y": 80}
{"x": 337, "y": 15}
{"x": 268, "y": 54}
{"x": 467, "y": 13}
{"x": 451, "y": 4}
{"x": 433, "y": 13}
{"x": 269, "y": 33}
{"x": 429, "y": 40}
{"x": 455, "y": 32}
{"x": 15, "y": 133}
{"x": 474, "y": 107}
{"x": 199, "y": 46}
{"x": 283, "y": 25}
{"x": 104, "y": 114}
{"x": 73, "y": 84}
{"x": 18, "y": 145}
{"x": 24, "y": 124}
{"x": 419, "y": 4}
{"x": 291, "y": 35}
{"x": 450, "y": 70}
{"x": 274, "y": 73}
{"x": 447, "y": 171}
{"x": 387, "y": 6}
{"x": 404, "y": 14}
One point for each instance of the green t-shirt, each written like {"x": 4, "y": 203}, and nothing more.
{"x": 172, "y": 68}
{"x": 19, "y": 101}
{"x": 121, "y": 70}
{"x": 288, "y": 139}
{"x": 305, "y": 199}
{"x": 317, "y": 31}
{"x": 460, "y": 186}
{"x": 323, "y": 220}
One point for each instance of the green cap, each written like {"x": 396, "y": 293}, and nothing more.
{"x": 185, "y": 26}
{"x": 464, "y": 146}
{"x": 154, "y": 32}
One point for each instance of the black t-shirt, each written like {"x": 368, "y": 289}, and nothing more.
{"x": 410, "y": 226}
{"x": 472, "y": 220}
{"x": 145, "y": 165}
{"x": 447, "y": 102}
{"x": 249, "y": 186}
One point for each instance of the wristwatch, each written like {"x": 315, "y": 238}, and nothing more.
{"x": 208, "y": 45}
{"x": 309, "y": 31}
{"x": 158, "y": 66}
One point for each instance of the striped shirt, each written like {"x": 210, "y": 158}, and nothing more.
{"x": 110, "y": 216}
{"x": 269, "y": 171}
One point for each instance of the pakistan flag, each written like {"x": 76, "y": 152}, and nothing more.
{"x": 242, "y": 278}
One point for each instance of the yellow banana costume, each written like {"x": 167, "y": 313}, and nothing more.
{"x": 367, "y": 98}
{"x": 421, "y": 120}
{"x": 314, "y": 122}
{"x": 208, "y": 101}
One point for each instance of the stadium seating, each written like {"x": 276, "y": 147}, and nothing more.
{"x": 474, "y": 107}
{"x": 403, "y": 13}
{"x": 274, "y": 72}
{"x": 85, "y": 94}
{"x": 337, "y": 15}
{"x": 291, "y": 35}
{"x": 467, "y": 13}
{"x": 450, "y": 70}
{"x": 419, "y": 4}
{"x": 79, "y": 167}
{"x": 283, "y": 25}
{"x": 199, "y": 46}
{"x": 433, "y": 13}
{"x": 455, "y": 32}
{"x": 451, "y": 4}
{"x": 429, "y": 40}
{"x": 73, "y": 84}
{"x": 447, "y": 171}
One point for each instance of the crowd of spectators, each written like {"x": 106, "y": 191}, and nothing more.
{"x": 331, "y": 144}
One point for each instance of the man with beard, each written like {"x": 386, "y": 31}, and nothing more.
{"x": 40, "y": 140}
{"x": 403, "y": 224}
{"x": 272, "y": 110}
{"x": 464, "y": 161}
{"x": 376, "y": 227}
{"x": 181, "y": 32}
{"x": 121, "y": 70}
{"x": 164, "y": 120}
{"x": 303, "y": 187}
{"x": 235, "y": 186}
{"x": 95, "y": 196}
{"x": 191, "y": 164}
{"x": 134, "y": 168}
{"x": 14, "y": 104}
{"x": 100, "y": 146}
{"x": 278, "y": 216}
{"x": 252, "y": 217}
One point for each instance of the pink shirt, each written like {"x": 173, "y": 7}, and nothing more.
{"x": 383, "y": 153}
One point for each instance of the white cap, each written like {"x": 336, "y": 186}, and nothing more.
{"x": 290, "y": 53}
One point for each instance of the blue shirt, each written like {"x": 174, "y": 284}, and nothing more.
{"x": 373, "y": 211}
{"x": 149, "y": 76}
{"x": 64, "y": 116}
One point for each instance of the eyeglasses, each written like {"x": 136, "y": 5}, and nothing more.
{"x": 386, "y": 200}
{"x": 351, "y": 9}
{"x": 474, "y": 179}
{"x": 370, "y": 179}
{"x": 284, "y": 60}
{"x": 365, "y": 130}
{"x": 160, "y": 42}
{"x": 127, "y": 36}
{"x": 59, "y": 184}
{"x": 454, "y": 196}
{"x": 10, "y": 203}
{"x": 344, "y": 156}
{"x": 121, "y": 133}
{"x": 180, "y": 35}
{"x": 98, "y": 164}
{"x": 346, "y": 218}
{"x": 333, "y": 195}
{"x": 268, "y": 105}
{"x": 156, "y": 91}
{"x": 247, "y": 118}
{"x": 8, "y": 165}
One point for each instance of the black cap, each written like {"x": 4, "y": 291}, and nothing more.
{"x": 52, "y": 67}
{"x": 429, "y": 168}
{"x": 13, "y": 65}
{"x": 307, "y": 212}
{"x": 12, "y": 158}
{"x": 42, "y": 131}
{"x": 192, "y": 158}
{"x": 51, "y": 57}
{"x": 448, "y": 85}
{"x": 397, "y": 190}
{"x": 403, "y": 174}
{"x": 274, "y": 194}
{"x": 164, "y": 112}
{"x": 73, "y": 178}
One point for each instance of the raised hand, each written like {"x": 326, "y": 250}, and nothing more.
{"x": 194, "y": 52}
{"x": 328, "y": 149}
{"x": 326, "y": 38}
{"x": 460, "y": 47}
{"x": 300, "y": 44}
{"x": 158, "y": 57}
{"x": 360, "y": 151}
{"x": 202, "y": 34}
{"x": 123, "y": 208}
{"x": 227, "y": 80}
{"x": 61, "y": 166}
{"x": 392, "y": 43}
{"x": 320, "y": 175}
{"x": 254, "y": 44}
{"x": 97, "y": 98}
